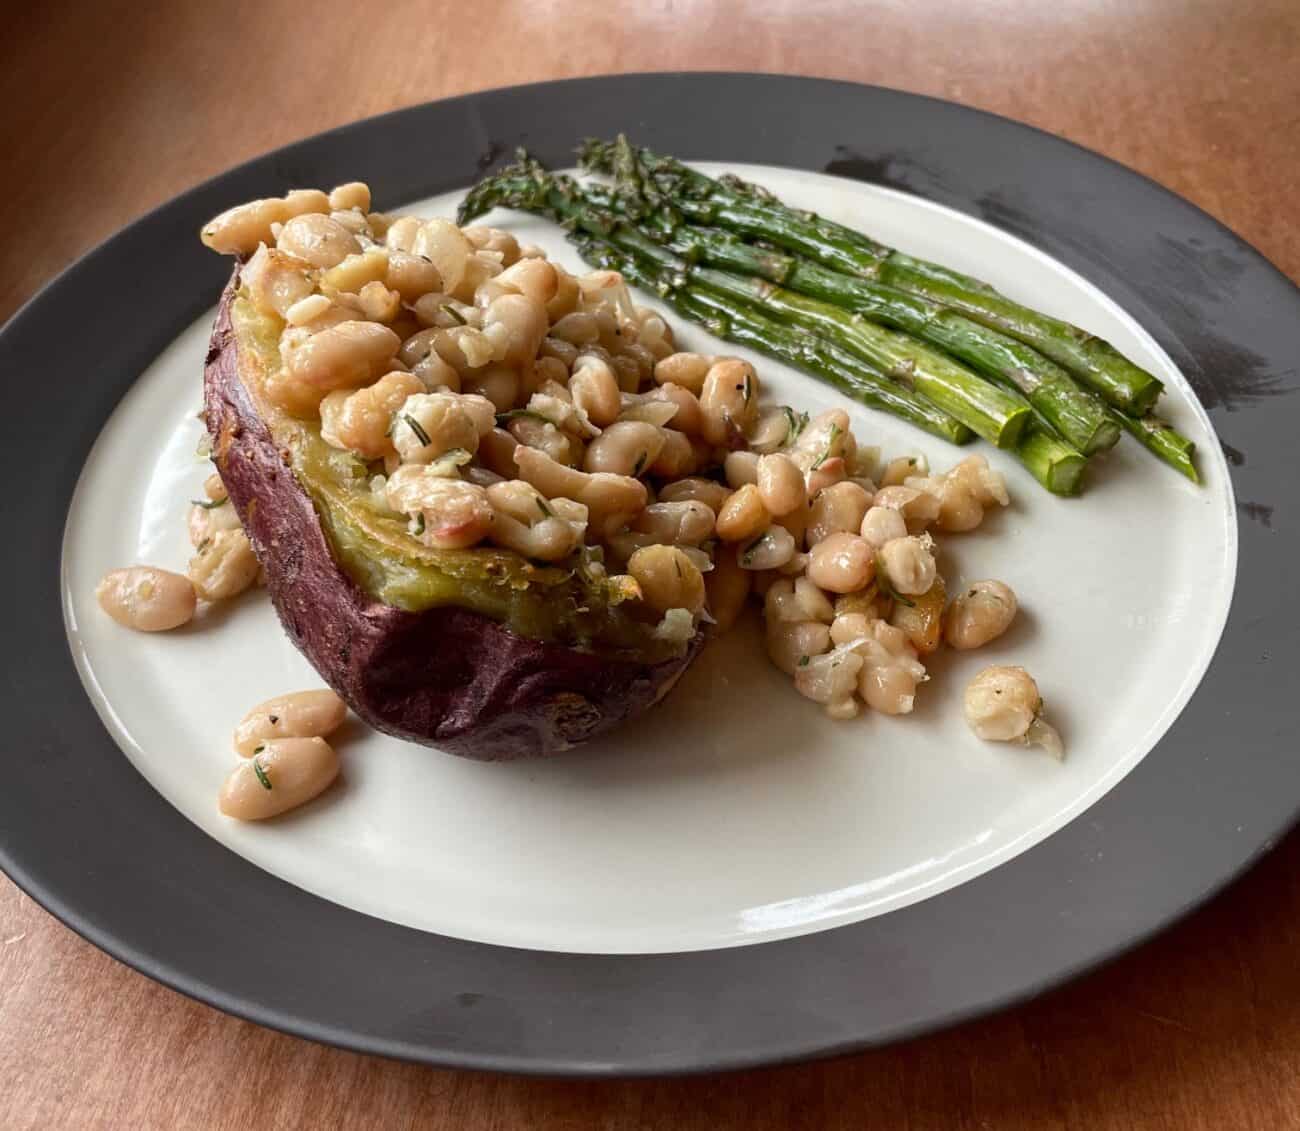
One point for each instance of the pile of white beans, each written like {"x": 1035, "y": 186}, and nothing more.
{"x": 500, "y": 399}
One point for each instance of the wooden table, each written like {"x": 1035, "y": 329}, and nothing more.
{"x": 111, "y": 109}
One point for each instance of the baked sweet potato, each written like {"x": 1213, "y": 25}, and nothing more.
{"x": 478, "y": 652}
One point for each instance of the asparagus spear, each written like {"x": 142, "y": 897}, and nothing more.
{"x": 1055, "y": 464}
{"x": 737, "y": 323}
{"x": 995, "y": 414}
{"x": 1081, "y": 418}
{"x": 1163, "y": 441}
{"x": 652, "y": 183}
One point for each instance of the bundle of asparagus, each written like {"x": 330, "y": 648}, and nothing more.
{"x": 913, "y": 338}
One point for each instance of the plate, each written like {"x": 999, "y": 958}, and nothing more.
{"x": 735, "y": 879}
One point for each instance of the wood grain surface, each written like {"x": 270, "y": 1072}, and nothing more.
{"x": 111, "y": 108}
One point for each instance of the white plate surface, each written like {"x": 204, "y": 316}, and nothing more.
{"x": 736, "y": 813}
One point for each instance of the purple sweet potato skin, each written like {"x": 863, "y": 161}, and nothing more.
{"x": 445, "y": 677}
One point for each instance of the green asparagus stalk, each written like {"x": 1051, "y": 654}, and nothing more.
{"x": 996, "y": 414}
{"x": 651, "y": 184}
{"x": 1055, "y": 464}
{"x": 1052, "y": 461}
{"x": 1163, "y": 441}
{"x": 744, "y": 326}
{"x": 1079, "y": 416}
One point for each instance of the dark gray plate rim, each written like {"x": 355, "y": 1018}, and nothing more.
{"x": 87, "y": 837}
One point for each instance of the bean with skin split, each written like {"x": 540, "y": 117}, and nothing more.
{"x": 595, "y": 390}
{"x": 689, "y": 417}
{"x": 147, "y": 599}
{"x": 1002, "y": 704}
{"x": 428, "y": 425}
{"x": 276, "y": 280}
{"x": 351, "y": 274}
{"x": 612, "y": 500}
{"x": 454, "y": 515}
{"x": 342, "y": 357}
{"x": 224, "y": 566}
{"x": 918, "y": 508}
{"x": 626, "y": 448}
{"x": 283, "y": 774}
{"x": 676, "y": 524}
{"x": 299, "y": 714}
{"x": 362, "y": 421}
{"x": 536, "y": 278}
{"x": 530, "y": 525}
{"x": 909, "y": 564}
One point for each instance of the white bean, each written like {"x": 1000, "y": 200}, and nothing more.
{"x": 981, "y": 612}
{"x": 224, "y": 566}
{"x": 909, "y": 564}
{"x": 283, "y": 774}
{"x": 299, "y": 714}
{"x": 146, "y": 598}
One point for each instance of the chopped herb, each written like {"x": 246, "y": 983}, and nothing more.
{"x": 831, "y": 437}
{"x": 882, "y": 583}
{"x": 504, "y": 418}
{"x": 421, "y": 434}
{"x": 203, "y": 545}
{"x": 455, "y": 314}
{"x": 640, "y": 464}
{"x": 261, "y": 773}
{"x": 804, "y": 661}
{"x": 795, "y": 424}
{"x": 419, "y": 524}
{"x": 541, "y": 506}
{"x": 259, "y": 748}
{"x": 273, "y": 719}
{"x": 210, "y": 504}
{"x": 747, "y": 555}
